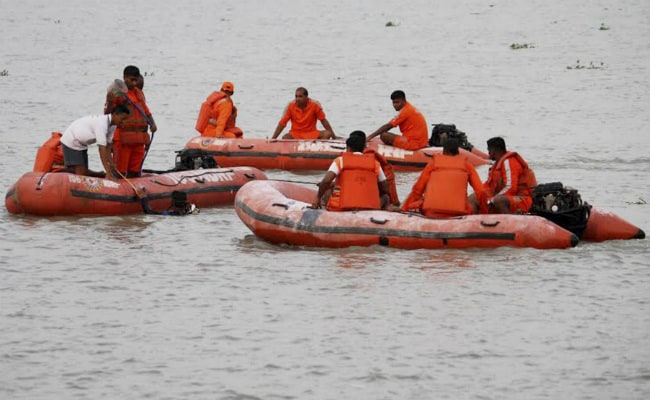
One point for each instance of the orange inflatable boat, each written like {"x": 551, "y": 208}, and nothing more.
{"x": 280, "y": 213}
{"x": 308, "y": 154}
{"x": 62, "y": 193}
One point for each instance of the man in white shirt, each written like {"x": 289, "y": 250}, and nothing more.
{"x": 89, "y": 130}
{"x": 360, "y": 182}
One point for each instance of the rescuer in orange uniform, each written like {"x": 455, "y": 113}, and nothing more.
{"x": 218, "y": 115}
{"x": 510, "y": 181}
{"x": 131, "y": 137}
{"x": 411, "y": 122}
{"x": 360, "y": 182}
{"x": 304, "y": 112}
{"x": 441, "y": 189}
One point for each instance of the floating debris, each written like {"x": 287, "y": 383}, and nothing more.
{"x": 603, "y": 27}
{"x": 4, "y": 72}
{"x": 391, "y": 23}
{"x": 590, "y": 66}
{"x": 518, "y": 46}
{"x": 639, "y": 202}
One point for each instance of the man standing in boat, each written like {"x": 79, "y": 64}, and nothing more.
{"x": 441, "y": 189}
{"x": 411, "y": 122}
{"x": 131, "y": 139}
{"x": 89, "y": 130}
{"x": 218, "y": 115}
{"x": 303, "y": 113}
{"x": 360, "y": 182}
{"x": 510, "y": 181}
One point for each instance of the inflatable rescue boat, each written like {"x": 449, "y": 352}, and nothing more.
{"x": 281, "y": 213}
{"x": 62, "y": 193}
{"x": 308, "y": 154}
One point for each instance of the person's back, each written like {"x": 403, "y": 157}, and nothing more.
{"x": 356, "y": 184}
{"x": 354, "y": 181}
{"x": 441, "y": 189}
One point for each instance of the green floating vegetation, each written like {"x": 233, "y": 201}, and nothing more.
{"x": 590, "y": 66}
{"x": 640, "y": 202}
{"x": 391, "y": 23}
{"x": 4, "y": 72}
{"x": 603, "y": 27}
{"x": 519, "y": 46}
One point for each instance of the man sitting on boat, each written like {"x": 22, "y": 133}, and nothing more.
{"x": 86, "y": 131}
{"x": 304, "y": 112}
{"x": 218, "y": 115}
{"x": 441, "y": 189}
{"x": 411, "y": 122}
{"x": 510, "y": 181}
{"x": 360, "y": 182}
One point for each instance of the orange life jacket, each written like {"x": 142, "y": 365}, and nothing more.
{"x": 133, "y": 130}
{"x": 446, "y": 191}
{"x": 390, "y": 175}
{"x": 526, "y": 178}
{"x": 356, "y": 185}
{"x": 49, "y": 157}
{"x": 206, "y": 110}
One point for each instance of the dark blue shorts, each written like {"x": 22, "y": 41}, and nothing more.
{"x": 73, "y": 157}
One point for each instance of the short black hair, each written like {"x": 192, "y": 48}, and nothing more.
{"x": 121, "y": 109}
{"x": 450, "y": 146}
{"x": 302, "y": 89}
{"x": 496, "y": 143}
{"x": 356, "y": 141}
{"x": 131, "y": 70}
{"x": 179, "y": 199}
{"x": 398, "y": 94}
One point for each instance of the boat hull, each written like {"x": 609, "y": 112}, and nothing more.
{"x": 279, "y": 213}
{"x": 51, "y": 194}
{"x": 308, "y": 154}
{"x": 604, "y": 225}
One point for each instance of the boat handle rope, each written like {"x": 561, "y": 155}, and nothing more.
{"x": 286, "y": 207}
{"x": 490, "y": 224}
{"x": 378, "y": 221}
{"x": 39, "y": 184}
{"x": 246, "y": 147}
{"x": 190, "y": 177}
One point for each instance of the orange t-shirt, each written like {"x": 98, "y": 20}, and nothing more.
{"x": 303, "y": 121}
{"x": 412, "y": 124}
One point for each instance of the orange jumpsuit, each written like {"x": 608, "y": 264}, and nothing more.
{"x": 220, "y": 107}
{"x": 303, "y": 121}
{"x": 413, "y": 127}
{"x": 131, "y": 137}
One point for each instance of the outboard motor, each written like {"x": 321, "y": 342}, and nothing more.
{"x": 189, "y": 159}
{"x": 561, "y": 205}
{"x": 440, "y": 132}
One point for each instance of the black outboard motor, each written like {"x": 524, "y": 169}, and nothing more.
{"x": 561, "y": 205}
{"x": 441, "y": 131}
{"x": 189, "y": 159}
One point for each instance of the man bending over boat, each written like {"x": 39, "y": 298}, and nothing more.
{"x": 360, "y": 182}
{"x": 441, "y": 189}
{"x": 411, "y": 122}
{"x": 510, "y": 181}
{"x": 89, "y": 130}
{"x": 303, "y": 113}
